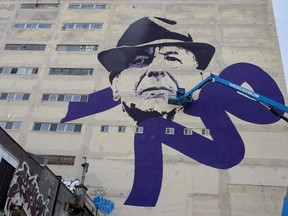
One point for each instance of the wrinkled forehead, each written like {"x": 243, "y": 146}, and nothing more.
{"x": 164, "y": 49}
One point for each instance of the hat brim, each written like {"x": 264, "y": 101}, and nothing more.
{"x": 118, "y": 59}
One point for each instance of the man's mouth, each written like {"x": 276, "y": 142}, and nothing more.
{"x": 155, "y": 92}
{"x": 155, "y": 89}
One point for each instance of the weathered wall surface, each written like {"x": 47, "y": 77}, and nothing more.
{"x": 240, "y": 31}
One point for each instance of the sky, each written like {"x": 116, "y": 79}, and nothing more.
{"x": 280, "y": 12}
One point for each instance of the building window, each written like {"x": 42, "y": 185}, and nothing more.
{"x": 205, "y": 132}
{"x": 10, "y": 125}
{"x": 87, "y": 6}
{"x": 39, "y": 6}
{"x": 14, "y": 96}
{"x": 79, "y": 48}
{"x": 104, "y": 128}
{"x": 65, "y": 97}
{"x": 32, "y": 26}
{"x": 121, "y": 129}
{"x": 30, "y": 47}
{"x": 59, "y": 159}
{"x": 139, "y": 130}
{"x": 188, "y": 131}
{"x": 82, "y": 26}
{"x": 169, "y": 131}
{"x": 57, "y": 127}
{"x": 7, "y": 70}
{"x": 71, "y": 71}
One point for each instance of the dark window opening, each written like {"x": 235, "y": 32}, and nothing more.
{"x": 59, "y": 159}
{"x": 7, "y": 172}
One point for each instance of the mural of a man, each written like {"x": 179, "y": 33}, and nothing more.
{"x": 146, "y": 63}
{"x": 144, "y": 68}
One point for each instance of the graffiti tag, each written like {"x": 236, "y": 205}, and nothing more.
{"x": 24, "y": 191}
{"x": 70, "y": 184}
{"x": 103, "y": 204}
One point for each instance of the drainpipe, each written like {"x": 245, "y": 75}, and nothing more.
{"x": 81, "y": 188}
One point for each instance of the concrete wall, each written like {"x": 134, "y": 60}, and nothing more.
{"x": 240, "y": 31}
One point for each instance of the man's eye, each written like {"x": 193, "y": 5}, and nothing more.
{"x": 140, "y": 61}
{"x": 171, "y": 58}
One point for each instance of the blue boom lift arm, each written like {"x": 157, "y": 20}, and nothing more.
{"x": 185, "y": 99}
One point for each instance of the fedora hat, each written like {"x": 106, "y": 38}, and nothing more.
{"x": 150, "y": 32}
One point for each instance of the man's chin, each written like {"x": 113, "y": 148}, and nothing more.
{"x": 140, "y": 114}
{"x": 156, "y": 104}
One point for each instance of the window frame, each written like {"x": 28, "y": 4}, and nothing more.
{"x": 25, "y": 47}
{"x": 205, "y": 131}
{"x": 59, "y": 159}
{"x": 169, "y": 131}
{"x": 104, "y": 129}
{"x": 14, "y": 96}
{"x": 15, "y": 125}
{"x": 71, "y": 71}
{"x": 53, "y": 97}
{"x": 121, "y": 129}
{"x": 76, "y": 48}
{"x": 39, "y": 6}
{"x": 188, "y": 131}
{"x": 82, "y": 26}
{"x": 57, "y": 127}
{"x": 139, "y": 130}
{"x": 85, "y": 6}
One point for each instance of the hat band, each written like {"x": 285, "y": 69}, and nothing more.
{"x": 157, "y": 42}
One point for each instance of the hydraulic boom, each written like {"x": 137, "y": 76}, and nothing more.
{"x": 185, "y": 99}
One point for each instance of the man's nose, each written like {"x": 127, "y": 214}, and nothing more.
{"x": 156, "y": 74}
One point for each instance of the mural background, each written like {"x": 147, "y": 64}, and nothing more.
{"x": 240, "y": 32}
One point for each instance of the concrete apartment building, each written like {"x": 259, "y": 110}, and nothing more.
{"x": 76, "y": 80}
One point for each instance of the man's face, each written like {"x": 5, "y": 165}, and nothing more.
{"x": 152, "y": 75}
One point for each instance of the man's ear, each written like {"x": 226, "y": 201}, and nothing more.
{"x": 114, "y": 87}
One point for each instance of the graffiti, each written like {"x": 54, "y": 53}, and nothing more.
{"x": 144, "y": 70}
{"x": 24, "y": 191}
{"x": 97, "y": 190}
{"x": 103, "y": 204}
{"x": 70, "y": 184}
{"x": 50, "y": 178}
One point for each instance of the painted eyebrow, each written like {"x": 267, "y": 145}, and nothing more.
{"x": 169, "y": 53}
